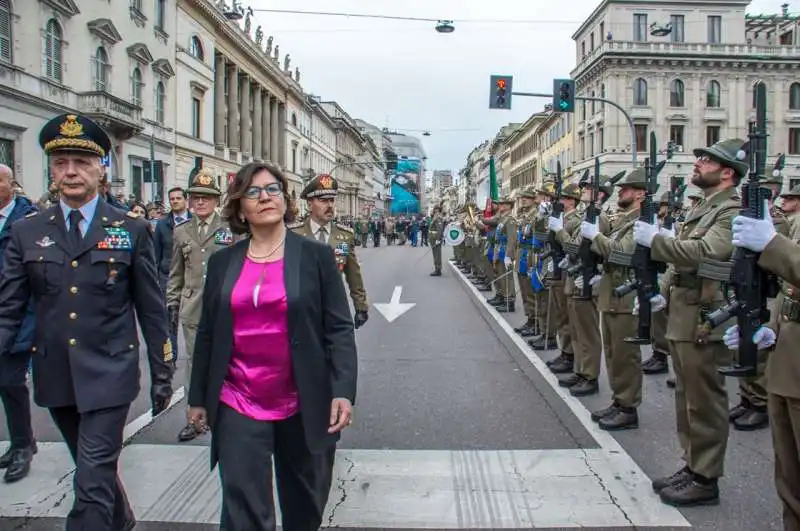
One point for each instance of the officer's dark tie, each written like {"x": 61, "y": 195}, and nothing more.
{"x": 75, "y": 236}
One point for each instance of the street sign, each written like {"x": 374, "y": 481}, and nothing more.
{"x": 500, "y": 92}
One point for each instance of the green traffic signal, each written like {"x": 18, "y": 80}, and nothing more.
{"x": 564, "y": 95}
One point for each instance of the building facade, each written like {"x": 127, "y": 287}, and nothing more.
{"x": 116, "y": 66}
{"x": 523, "y": 158}
{"x": 684, "y": 70}
{"x": 349, "y": 149}
{"x": 555, "y": 143}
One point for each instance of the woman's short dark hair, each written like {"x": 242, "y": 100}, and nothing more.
{"x": 232, "y": 210}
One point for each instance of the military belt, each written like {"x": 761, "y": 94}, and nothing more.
{"x": 790, "y": 310}
{"x": 687, "y": 280}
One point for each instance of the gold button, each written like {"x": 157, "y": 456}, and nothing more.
{"x": 33, "y": 349}
{"x": 74, "y": 263}
{"x": 131, "y": 347}
{"x": 111, "y": 260}
{"x": 73, "y": 316}
{"x": 73, "y": 290}
{"x": 72, "y": 342}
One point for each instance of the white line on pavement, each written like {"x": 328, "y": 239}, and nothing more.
{"x": 143, "y": 420}
{"x": 626, "y": 482}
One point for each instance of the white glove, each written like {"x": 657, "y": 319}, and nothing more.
{"x": 550, "y": 267}
{"x": 508, "y": 261}
{"x": 753, "y": 234}
{"x": 595, "y": 280}
{"x": 578, "y": 282}
{"x": 564, "y": 263}
{"x": 657, "y": 303}
{"x": 555, "y": 224}
{"x": 644, "y": 233}
{"x": 763, "y": 338}
{"x": 589, "y": 230}
{"x": 667, "y": 233}
{"x": 544, "y": 208}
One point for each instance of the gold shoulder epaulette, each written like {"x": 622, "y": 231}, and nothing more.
{"x": 132, "y": 215}
{"x": 32, "y": 214}
{"x": 344, "y": 228}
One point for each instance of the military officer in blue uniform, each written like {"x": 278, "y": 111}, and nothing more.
{"x": 88, "y": 266}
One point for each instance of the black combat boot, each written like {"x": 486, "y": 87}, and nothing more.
{"x": 585, "y": 387}
{"x": 662, "y": 483}
{"x": 623, "y": 418}
{"x": 569, "y": 380}
{"x": 566, "y": 365}
{"x": 603, "y": 413}
{"x": 506, "y": 306}
{"x": 541, "y": 344}
{"x": 656, "y": 364}
{"x": 740, "y": 409}
{"x": 436, "y": 273}
{"x": 692, "y": 491}
{"x": 753, "y": 419}
{"x": 671, "y": 382}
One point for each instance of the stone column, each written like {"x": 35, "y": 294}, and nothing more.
{"x": 245, "y": 130}
{"x": 282, "y": 134}
{"x": 219, "y": 102}
{"x": 274, "y": 131}
{"x": 257, "y": 123}
{"x": 233, "y": 107}
{"x": 266, "y": 130}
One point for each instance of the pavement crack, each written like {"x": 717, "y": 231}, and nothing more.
{"x": 600, "y": 481}
{"x": 342, "y": 486}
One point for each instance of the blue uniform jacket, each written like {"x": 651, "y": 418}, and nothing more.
{"x": 24, "y": 340}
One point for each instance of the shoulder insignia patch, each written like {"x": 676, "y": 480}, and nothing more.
{"x": 31, "y": 214}
{"x": 132, "y": 215}
{"x": 344, "y": 228}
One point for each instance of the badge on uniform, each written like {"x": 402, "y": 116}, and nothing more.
{"x": 117, "y": 239}
{"x": 45, "y": 242}
{"x": 223, "y": 237}
{"x": 341, "y": 251}
{"x": 168, "y": 355}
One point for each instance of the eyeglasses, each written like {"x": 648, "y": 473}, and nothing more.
{"x": 272, "y": 189}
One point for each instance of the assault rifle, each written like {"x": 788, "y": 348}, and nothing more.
{"x": 645, "y": 269}
{"x": 746, "y": 287}
{"x": 589, "y": 260}
{"x": 554, "y": 249}
{"x": 571, "y": 249}
{"x": 674, "y": 200}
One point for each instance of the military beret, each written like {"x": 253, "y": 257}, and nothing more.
{"x": 204, "y": 183}
{"x": 320, "y": 186}
{"x": 72, "y": 132}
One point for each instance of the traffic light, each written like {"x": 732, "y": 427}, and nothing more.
{"x": 563, "y": 95}
{"x": 500, "y": 92}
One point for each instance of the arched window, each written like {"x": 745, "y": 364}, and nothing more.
{"x": 713, "y": 94}
{"x": 196, "y": 48}
{"x": 54, "y": 50}
{"x": 6, "y": 23}
{"x": 676, "y": 93}
{"x": 640, "y": 92}
{"x": 161, "y": 95}
{"x": 794, "y": 97}
{"x": 136, "y": 86}
{"x": 101, "y": 68}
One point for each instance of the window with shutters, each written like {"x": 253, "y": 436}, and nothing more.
{"x": 6, "y": 40}
{"x": 54, "y": 51}
{"x": 101, "y": 69}
{"x": 7, "y": 152}
{"x": 136, "y": 87}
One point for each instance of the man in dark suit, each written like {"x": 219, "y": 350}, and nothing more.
{"x": 87, "y": 265}
{"x": 14, "y": 363}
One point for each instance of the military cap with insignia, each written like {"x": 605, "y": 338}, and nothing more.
{"x": 794, "y": 192}
{"x": 637, "y": 178}
{"x": 505, "y": 200}
{"x": 548, "y": 188}
{"x": 320, "y": 186}
{"x": 731, "y": 153}
{"x": 529, "y": 192}
{"x": 204, "y": 183}
{"x": 74, "y": 133}
{"x": 664, "y": 199}
{"x": 572, "y": 191}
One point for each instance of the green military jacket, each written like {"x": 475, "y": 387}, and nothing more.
{"x": 618, "y": 238}
{"x": 436, "y": 231}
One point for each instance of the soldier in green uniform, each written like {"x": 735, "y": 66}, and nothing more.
{"x": 657, "y": 363}
{"x": 320, "y": 193}
{"x": 505, "y": 238}
{"x": 623, "y": 360}
{"x": 487, "y": 249}
{"x": 435, "y": 235}
{"x": 701, "y": 398}
{"x": 751, "y": 412}
{"x": 526, "y": 259}
{"x": 582, "y": 316}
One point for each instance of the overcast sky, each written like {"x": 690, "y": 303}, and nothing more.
{"x": 404, "y": 75}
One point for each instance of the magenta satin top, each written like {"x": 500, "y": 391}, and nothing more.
{"x": 260, "y": 382}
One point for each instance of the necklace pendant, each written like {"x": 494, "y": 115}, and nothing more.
{"x": 256, "y": 292}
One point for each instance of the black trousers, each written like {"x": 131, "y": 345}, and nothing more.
{"x": 17, "y": 404}
{"x": 94, "y": 439}
{"x": 245, "y": 449}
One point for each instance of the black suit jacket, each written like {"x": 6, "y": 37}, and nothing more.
{"x": 323, "y": 346}
{"x": 162, "y": 241}
{"x": 85, "y": 346}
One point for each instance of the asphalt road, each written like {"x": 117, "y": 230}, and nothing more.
{"x": 457, "y": 426}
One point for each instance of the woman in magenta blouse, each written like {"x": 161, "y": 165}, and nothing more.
{"x": 274, "y": 374}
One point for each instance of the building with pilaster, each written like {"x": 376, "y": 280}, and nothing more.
{"x": 249, "y": 96}
{"x": 349, "y": 148}
{"x": 522, "y": 167}
{"x": 113, "y": 63}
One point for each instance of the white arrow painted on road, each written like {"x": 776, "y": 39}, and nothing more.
{"x": 394, "y": 308}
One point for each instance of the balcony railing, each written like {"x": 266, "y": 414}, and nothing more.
{"x": 677, "y": 49}
{"x": 122, "y": 117}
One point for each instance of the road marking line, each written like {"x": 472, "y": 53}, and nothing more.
{"x": 429, "y": 489}
{"x": 143, "y": 420}
{"x": 631, "y": 482}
